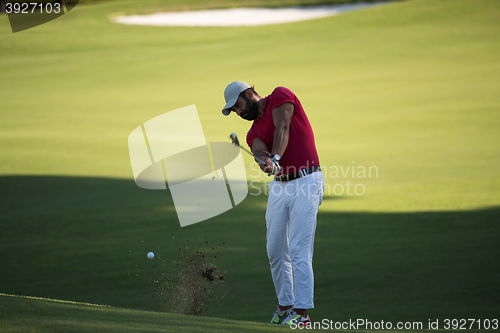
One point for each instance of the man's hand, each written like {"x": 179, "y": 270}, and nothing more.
{"x": 272, "y": 166}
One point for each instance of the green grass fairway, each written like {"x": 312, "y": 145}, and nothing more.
{"x": 410, "y": 88}
{"x": 378, "y": 266}
{"x": 32, "y": 314}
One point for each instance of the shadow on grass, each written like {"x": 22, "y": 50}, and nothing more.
{"x": 86, "y": 239}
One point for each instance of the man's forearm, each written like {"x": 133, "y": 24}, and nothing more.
{"x": 260, "y": 149}
{"x": 282, "y": 117}
{"x": 280, "y": 141}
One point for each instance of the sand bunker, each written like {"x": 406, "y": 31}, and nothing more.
{"x": 240, "y": 16}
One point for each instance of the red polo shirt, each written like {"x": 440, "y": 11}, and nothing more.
{"x": 300, "y": 152}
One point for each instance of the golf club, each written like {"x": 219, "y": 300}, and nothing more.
{"x": 235, "y": 141}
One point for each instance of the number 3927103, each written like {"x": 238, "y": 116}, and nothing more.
{"x": 32, "y": 8}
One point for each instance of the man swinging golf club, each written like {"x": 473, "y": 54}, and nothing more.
{"x": 282, "y": 137}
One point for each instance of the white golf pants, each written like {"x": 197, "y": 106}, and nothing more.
{"x": 291, "y": 213}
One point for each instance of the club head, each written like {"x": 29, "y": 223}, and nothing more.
{"x": 234, "y": 139}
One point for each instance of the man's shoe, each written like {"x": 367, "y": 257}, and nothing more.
{"x": 280, "y": 315}
{"x": 295, "y": 319}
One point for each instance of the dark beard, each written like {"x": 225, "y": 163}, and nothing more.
{"x": 251, "y": 111}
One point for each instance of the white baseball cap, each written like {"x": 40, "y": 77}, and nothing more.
{"x": 231, "y": 93}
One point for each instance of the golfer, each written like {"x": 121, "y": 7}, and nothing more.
{"x": 281, "y": 136}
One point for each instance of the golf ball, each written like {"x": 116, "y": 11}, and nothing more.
{"x": 151, "y": 255}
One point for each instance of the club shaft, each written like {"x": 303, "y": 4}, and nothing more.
{"x": 256, "y": 158}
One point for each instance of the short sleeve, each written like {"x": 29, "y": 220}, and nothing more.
{"x": 282, "y": 95}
